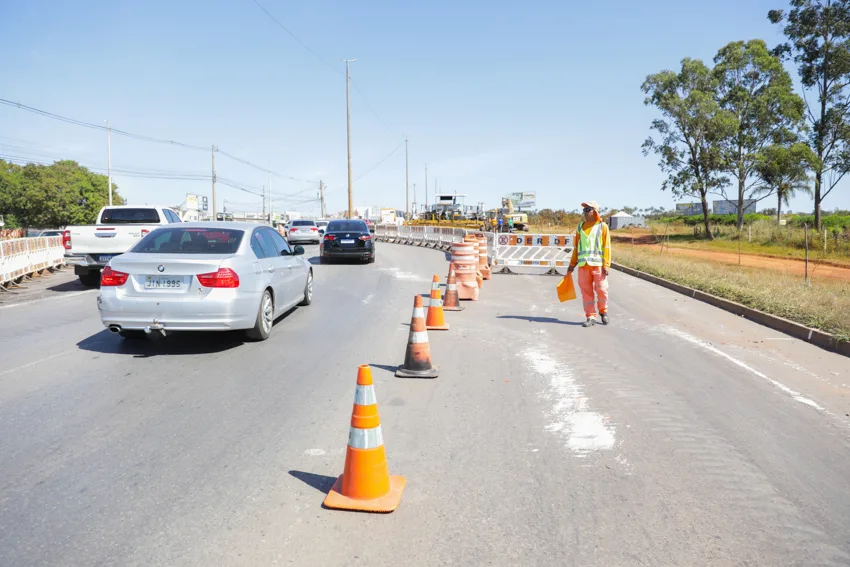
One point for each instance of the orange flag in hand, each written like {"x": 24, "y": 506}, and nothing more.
{"x": 566, "y": 289}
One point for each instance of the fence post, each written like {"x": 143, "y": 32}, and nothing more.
{"x": 806, "y": 238}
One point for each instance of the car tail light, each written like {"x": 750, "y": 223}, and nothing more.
{"x": 330, "y": 237}
{"x": 314, "y": 229}
{"x": 110, "y": 277}
{"x": 365, "y": 237}
{"x": 66, "y": 239}
{"x": 293, "y": 230}
{"x": 145, "y": 232}
{"x": 224, "y": 277}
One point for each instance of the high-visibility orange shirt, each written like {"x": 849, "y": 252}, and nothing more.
{"x": 606, "y": 243}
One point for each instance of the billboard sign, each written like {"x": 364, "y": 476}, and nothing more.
{"x": 689, "y": 209}
{"x": 523, "y": 200}
{"x": 191, "y": 202}
{"x": 205, "y": 206}
{"x": 727, "y": 207}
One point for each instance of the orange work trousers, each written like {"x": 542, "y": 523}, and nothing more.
{"x": 591, "y": 280}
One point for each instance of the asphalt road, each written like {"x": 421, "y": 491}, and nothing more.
{"x": 678, "y": 435}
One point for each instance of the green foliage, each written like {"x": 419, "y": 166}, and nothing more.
{"x": 691, "y": 130}
{"x": 829, "y": 221}
{"x": 721, "y": 220}
{"x": 818, "y": 35}
{"x": 57, "y": 195}
{"x": 755, "y": 88}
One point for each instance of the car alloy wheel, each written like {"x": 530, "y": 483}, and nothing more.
{"x": 268, "y": 313}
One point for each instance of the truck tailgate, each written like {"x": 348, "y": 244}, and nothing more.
{"x": 105, "y": 240}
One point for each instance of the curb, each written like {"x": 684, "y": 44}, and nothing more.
{"x": 818, "y": 338}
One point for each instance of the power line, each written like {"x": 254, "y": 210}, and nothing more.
{"x": 141, "y": 137}
{"x": 304, "y": 45}
{"x": 76, "y": 122}
{"x": 374, "y": 167}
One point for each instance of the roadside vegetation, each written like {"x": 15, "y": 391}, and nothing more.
{"x": 823, "y": 305}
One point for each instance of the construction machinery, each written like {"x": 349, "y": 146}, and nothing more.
{"x": 448, "y": 210}
{"x": 506, "y": 213}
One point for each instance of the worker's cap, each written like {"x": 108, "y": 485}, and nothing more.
{"x": 591, "y": 205}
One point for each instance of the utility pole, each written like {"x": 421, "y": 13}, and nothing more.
{"x": 214, "y": 218}
{"x": 414, "y": 197}
{"x": 109, "y": 159}
{"x": 348, "y": 132}
{"x": 426, "y": 188}
{"x": 271, "y": 203}
{"x": 322, "y": 197}
{"x": 406, "y": 187}
{"x": 264, "y": 203}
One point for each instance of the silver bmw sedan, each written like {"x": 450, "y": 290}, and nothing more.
{"x": 204, "y": 276}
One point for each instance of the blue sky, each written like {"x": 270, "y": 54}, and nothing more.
{"x": 495, "y": 97}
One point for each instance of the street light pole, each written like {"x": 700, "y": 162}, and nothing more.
{"x": 406, "y": 186}
{"x": 109, "y": 159}
{"x": 348, "y": 132}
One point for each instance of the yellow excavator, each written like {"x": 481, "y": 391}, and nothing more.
{"x": 506, "y": 213}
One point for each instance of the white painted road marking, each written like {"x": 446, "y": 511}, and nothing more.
{"x": 47, "y": 299}
{"x": 701, "y": 343}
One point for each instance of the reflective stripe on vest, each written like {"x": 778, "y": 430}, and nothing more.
{"x": 590, "y": 246}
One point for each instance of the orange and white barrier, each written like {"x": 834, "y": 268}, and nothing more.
{"x": 466, "y": 262}
{"x": 535, "y": 254}
{"x": 22, "y": 257}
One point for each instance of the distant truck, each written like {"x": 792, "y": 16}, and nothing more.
{"x": 388, "y": 216}
{"x": 90, "y": 248}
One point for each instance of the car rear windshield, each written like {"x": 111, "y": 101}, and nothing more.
{"x": 130, "y": 216}
{"x": 222, "y": 241}
{"x": 303, "y": 223}
{"x": 346, "y": 226}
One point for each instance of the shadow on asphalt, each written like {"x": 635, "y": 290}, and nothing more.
{"x": 539, "y": 319}
{"x": 315, "y": 260}
{"x": 184, "y": 343}
{"x": 385, "y": 367}
{"x": 320, "y": 482}
{"x": 73, "y": 285}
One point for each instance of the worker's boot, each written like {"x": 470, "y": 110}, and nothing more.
{"x": 591, "y": 321}
{"x": 605, "y": 319}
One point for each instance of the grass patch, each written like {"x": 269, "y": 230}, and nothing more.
{"x": 825, "y": 305}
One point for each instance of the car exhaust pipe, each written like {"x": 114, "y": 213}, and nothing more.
{"x": 115, "y": 328}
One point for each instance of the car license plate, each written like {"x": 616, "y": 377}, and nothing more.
{"x": 106, "y": 257}
{"x": 346, "y": 242}
{"x": 163, "y": 282}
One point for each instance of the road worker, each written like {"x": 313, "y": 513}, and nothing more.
{"x": 592, "y": 256}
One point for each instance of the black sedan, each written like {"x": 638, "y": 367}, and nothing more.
{"x": 347, "y": 239}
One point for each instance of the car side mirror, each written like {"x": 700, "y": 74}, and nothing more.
{"x": 299, "y": 250}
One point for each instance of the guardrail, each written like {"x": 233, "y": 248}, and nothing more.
{"x": 534, "y": 254}
{"x": 20, "y": 258}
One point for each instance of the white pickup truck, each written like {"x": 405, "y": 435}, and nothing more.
{"x": 90, "y": 248}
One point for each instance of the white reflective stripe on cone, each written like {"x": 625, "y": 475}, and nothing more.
{"x": 418, "y": 337}
{"x": 451, "y": 287}
{"x": 365, "y": 396}
{"x": 418, "y": 313}
{"x": 435, "y": 303}
{"x": 365, "y": 438}
{"x": 435, "y": 285}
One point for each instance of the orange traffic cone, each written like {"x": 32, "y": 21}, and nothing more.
{"x": 417, "y": 358}
{"x": 434, "y": 321}
{"x": 365, "y": 484}
{"x": 452, "y": 302}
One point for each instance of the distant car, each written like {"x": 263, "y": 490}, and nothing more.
{"x": 348, "y": 239}
{"x": 303, "y": 231}
{"x": 217, "y": 276}
{"x": 322, "y": 224}
{"x": 370, "y": 225}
